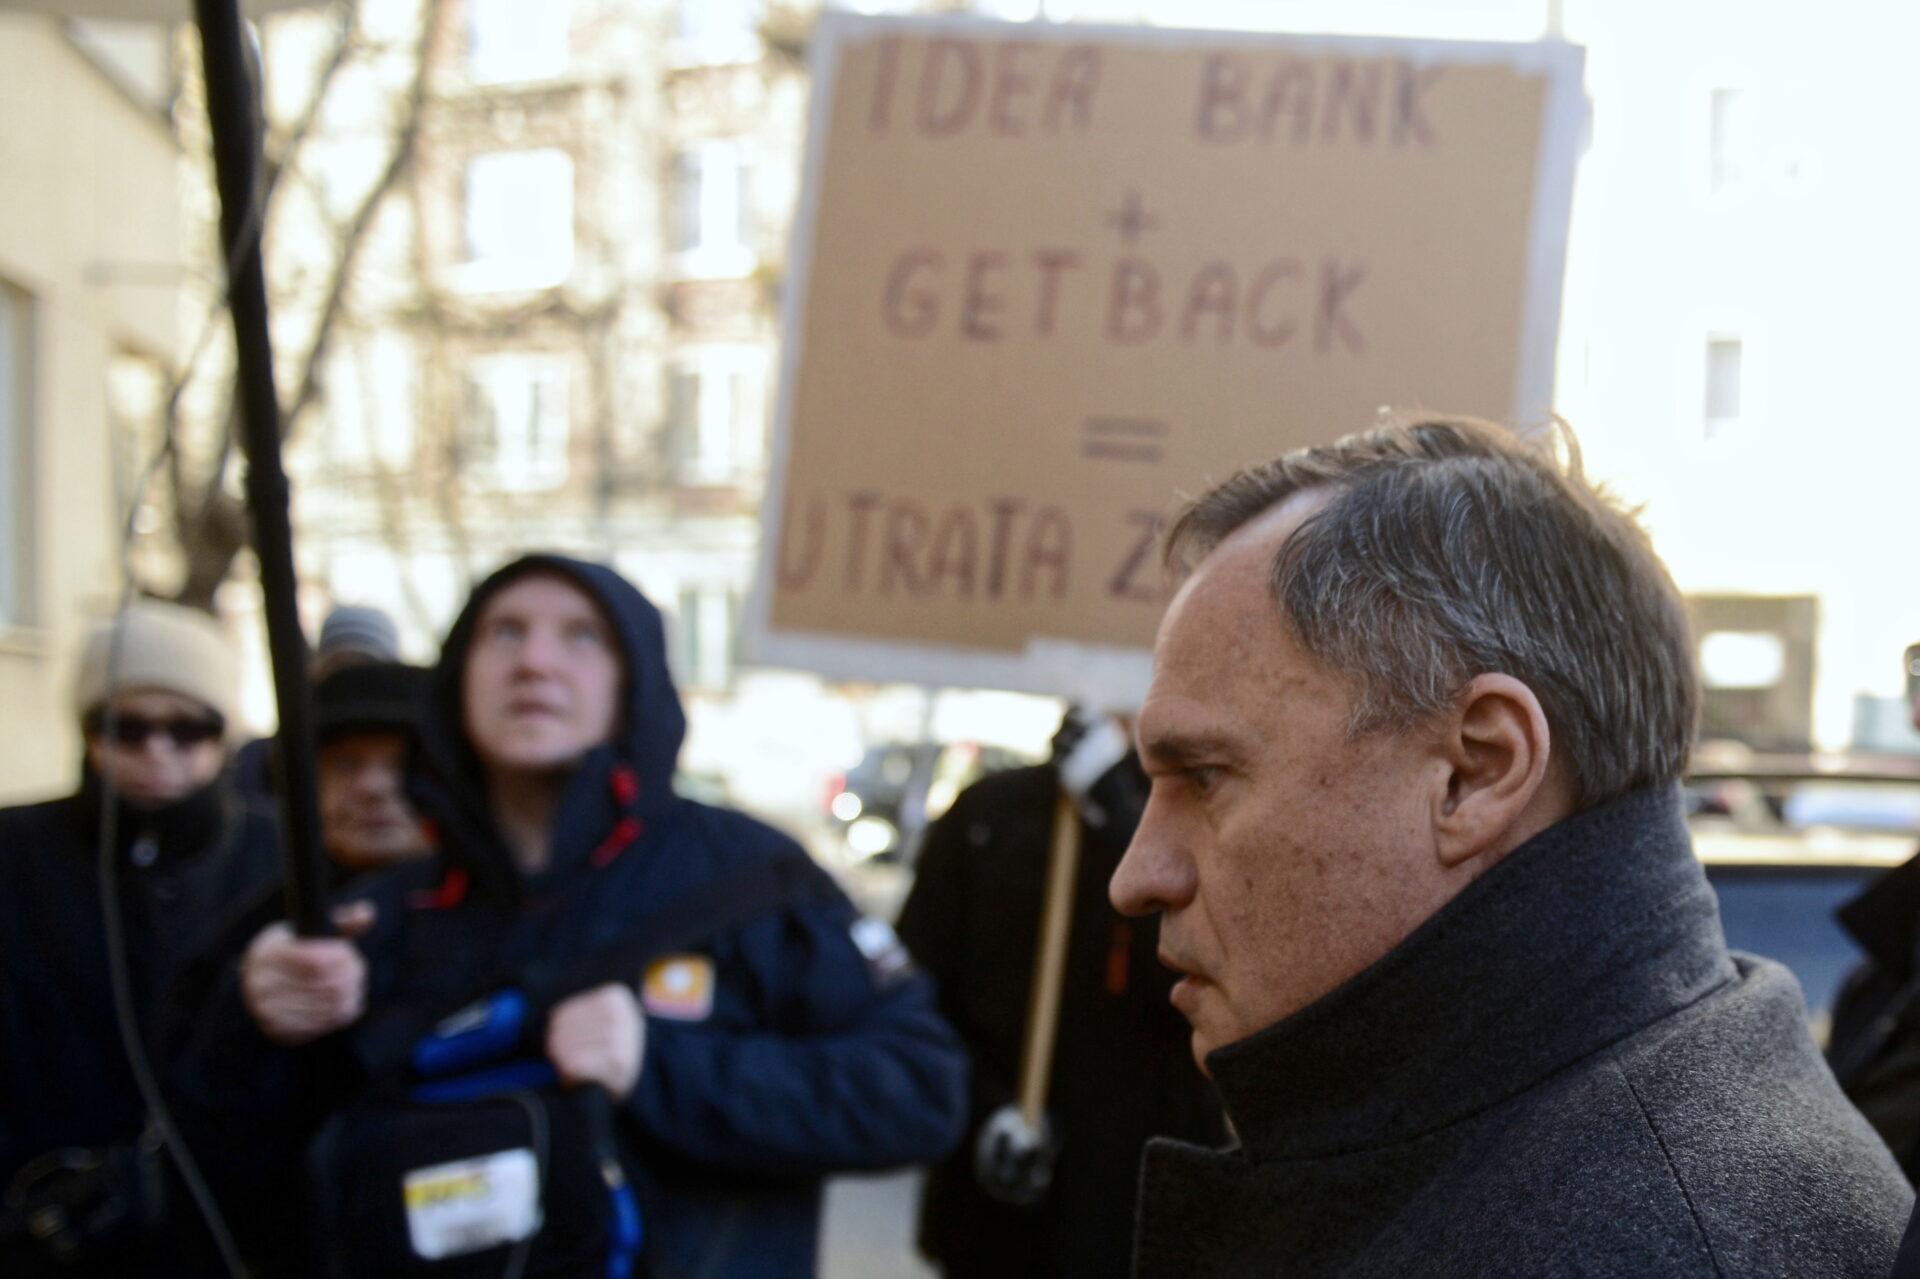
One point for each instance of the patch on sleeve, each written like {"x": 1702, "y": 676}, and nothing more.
{"x": 678, "y": 987}
{"x": 887, "y": 959}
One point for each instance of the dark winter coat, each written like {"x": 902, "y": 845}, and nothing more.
{"x": 1122, "y": 1069}
{"x": 1874, "y": 1046}
{"x": 64, "y": 1076}
{"x": 1907, "y": 1264}
{"x": 1563, "y": 1072}
{"x": 816, "y": 1052}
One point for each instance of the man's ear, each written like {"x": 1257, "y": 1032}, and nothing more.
{"x": 1497, "y": 748}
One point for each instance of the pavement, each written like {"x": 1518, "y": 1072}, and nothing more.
{"x": 867, "y": 1232}
{"x": 867, "y": 1226}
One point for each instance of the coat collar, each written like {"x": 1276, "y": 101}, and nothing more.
{"x": 1594, "y": 928}
{"x": 179, "y": 832}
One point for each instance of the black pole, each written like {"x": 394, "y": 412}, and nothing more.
{"x": 236, "y": 163}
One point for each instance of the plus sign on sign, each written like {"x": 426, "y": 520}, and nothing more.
{"x": 1048, "y": 279}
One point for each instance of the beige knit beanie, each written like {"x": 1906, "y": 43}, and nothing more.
{"x": 164, "y": 646}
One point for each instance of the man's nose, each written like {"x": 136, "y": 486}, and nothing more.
{"x": 538, "y": 650}
{"x": 1155, "y": 874}
{"x": 379, "y": 780}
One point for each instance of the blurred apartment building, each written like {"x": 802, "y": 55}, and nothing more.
{"x": 562, "y": 334}
{"x": 560, "y": 325}
{"x": 602, "y": 203}
{"x": 1738, "y": 323}
{"x": 564, "y": 337}
{"x": 89, "y": 276}
{"x": 1735, "y": 337}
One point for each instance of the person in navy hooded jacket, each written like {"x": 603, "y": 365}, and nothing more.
{"x": 742, "y": 1067}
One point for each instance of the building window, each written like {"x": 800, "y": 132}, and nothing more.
{"x": 719, "y": 30}
{"x": 1742, "y": 659}
{"x": 515, "y": 425}
{"x": 16, "y": 403}
{"x": 714, "y": 227}
{"x": 716, "y": 414}
{"x": 1724, "y": 361}
{"x": 707, "y": 626}
{"x": 1731, "y": 138}
{"x": 511, "y": 40}
{"x": 372, "y": 387}
{"x": 1757, "y": 657}
{"x": 519, "y": 220}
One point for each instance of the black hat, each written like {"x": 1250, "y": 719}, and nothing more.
{"x": 369, "y": 697}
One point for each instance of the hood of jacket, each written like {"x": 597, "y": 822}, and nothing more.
{"x": 615, "y": 790}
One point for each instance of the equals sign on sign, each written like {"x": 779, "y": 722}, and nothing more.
{"x": 1124, "y": 439}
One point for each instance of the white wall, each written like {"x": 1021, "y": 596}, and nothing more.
{"x": 90, "y": 230}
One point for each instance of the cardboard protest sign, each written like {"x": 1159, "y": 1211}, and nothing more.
{"x": 1046, "y": 279}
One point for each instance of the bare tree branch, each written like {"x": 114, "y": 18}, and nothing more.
{"x": 277, "y": 162}
{"x": 210, "y": 521}
{"x": 288, "y": 150}
{"x": 390, "y": 503}
{"x": 354, "y": 234}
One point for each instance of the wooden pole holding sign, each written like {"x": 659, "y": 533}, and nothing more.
{"x": 1047, "y": 278}
{"x": 1049, "y": 963}
{"x": 1014, "y": 1149}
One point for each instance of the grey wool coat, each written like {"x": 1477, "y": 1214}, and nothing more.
{"x": 1563, "y": 1072}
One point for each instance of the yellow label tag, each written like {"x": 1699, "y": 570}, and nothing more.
{"x": 679, "y": 988}
{"x": 434, "y": 1190}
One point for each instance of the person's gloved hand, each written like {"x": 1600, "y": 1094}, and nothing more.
{"x": 1087, "y": 751}
{"x": 300, "y": 988}
{"x": 1012, "y": 1160}
{"x": 1073, "y": 727}
{"x": 598, "y": 1037}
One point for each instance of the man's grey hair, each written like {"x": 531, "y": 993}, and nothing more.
{"x": 1450, "y": 548}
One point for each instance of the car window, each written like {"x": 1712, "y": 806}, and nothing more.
{"x": 1867, "y": 821}
{"x": 1786, "y": 844}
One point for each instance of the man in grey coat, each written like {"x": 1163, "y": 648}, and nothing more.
{"x": 1417, "y": 718}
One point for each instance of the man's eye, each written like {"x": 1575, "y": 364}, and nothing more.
{"x": 586, "y": 633}
{"x": 506, "y": 628}
{"x": 1203, "y": 777}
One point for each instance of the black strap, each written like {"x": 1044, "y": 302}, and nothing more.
{"x": 384, "y": 1041}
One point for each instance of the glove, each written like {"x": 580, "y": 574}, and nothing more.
{"x": 1086, "y": 753}
{"x": 1012, "y": 1161}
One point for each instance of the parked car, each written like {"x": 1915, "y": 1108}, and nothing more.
{"x": 881, "y": 804}
{"x": 1787, "y": 838}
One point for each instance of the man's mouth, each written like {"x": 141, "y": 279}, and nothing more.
{"x": 1185, "y": 994}
{"x": 1187, "y": 989}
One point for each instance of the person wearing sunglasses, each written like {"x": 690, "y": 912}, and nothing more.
{"x": 154, "y": 697}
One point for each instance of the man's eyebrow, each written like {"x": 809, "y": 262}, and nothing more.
{"x": 1177, "y": 747}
